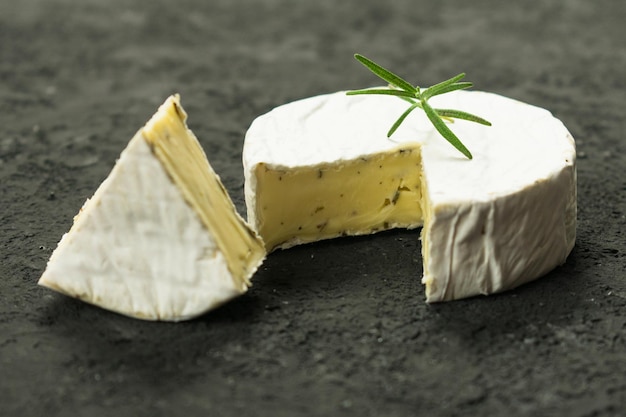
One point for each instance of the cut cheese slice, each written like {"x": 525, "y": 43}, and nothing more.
{"x": 323, "y": 167}
{"x": 160, "y": 239}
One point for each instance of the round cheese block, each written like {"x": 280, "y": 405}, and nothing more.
{"x": 324, "y": 167}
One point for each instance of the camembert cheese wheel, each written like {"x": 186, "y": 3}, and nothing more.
{"x": 160, "y": 239}
{"x": 323, "y": 167}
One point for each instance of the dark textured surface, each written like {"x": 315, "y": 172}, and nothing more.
{"x": 336, "y": 328}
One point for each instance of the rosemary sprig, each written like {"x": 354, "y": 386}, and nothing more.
{"x": 418, "y": 98}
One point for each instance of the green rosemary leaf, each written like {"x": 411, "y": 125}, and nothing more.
{"x": 449, "y": 81}
{"x": 383, "y": 91}
{"x": 419, "y": 99}
{"x": 409, "y": 100}
{"x": 442, "y": 86}
{"x": 458, "y": 114}
{"x": 444, "y": 130}
{"x": 385, "y": 74}
{"x": 401, "y": 118}
{"x": 428, "y": 93}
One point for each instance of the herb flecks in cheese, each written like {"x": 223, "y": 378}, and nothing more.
{"x": 372, "y": 193}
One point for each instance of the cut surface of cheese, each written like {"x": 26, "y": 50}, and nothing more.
{"x": 160, "y": 238}
{"x": 323, "y": 167}
{"x": 368, "y": 194}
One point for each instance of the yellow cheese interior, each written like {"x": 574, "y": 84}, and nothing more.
{"x": 427, "y": 210}
{"x": 185, "y": 162}
{"x": 365, "y": 195}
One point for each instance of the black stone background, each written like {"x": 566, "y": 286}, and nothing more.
{"x": 335, "y": 328}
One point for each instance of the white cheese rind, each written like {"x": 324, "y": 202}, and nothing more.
{"x": 488, "y": 247}
{"x": 137, "y": 248}
{"x": 501, "y": 219}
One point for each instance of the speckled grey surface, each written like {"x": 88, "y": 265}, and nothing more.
{"x": 336, "y": 328}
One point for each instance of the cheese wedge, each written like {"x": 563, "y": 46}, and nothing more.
{"x": 323, "y": 167}
{"x": 160, "y": 239}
